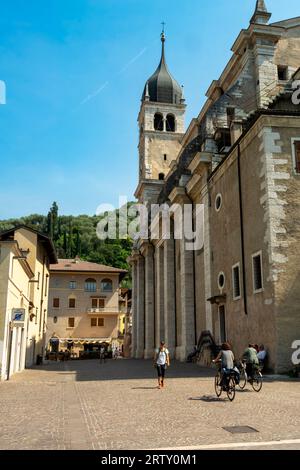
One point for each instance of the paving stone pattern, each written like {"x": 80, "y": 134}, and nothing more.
{"x": 116, "y": 405}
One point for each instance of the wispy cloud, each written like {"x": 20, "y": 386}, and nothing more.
{"x": 96, "y": 93}
{"x": 132, "y": 61}
{"x": 123, "y": 69}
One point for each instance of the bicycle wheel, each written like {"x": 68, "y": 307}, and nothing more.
{"x": 231, "y": 389}
{"x": 218, "y": 387}
{"x": 257, "y": 382}
{"x": 243, "y": 379}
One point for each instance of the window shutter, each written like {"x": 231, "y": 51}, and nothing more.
{"x": 297, "y": 156}
{"x": 257, "y": 273}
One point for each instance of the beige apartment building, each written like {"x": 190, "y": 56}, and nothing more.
{"x": 239, "y": 159}
{"x": 84, "y": 306}
{"x": 25, "y": 257}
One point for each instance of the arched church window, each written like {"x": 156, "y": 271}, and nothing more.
{"x": 170, "y": 123}
{"x": 158, "y": 122}
{"x": 161, "y": 176}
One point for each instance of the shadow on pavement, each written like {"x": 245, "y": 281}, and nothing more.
{"x": 209, "y": 399}
{"x": 123, "y": 369}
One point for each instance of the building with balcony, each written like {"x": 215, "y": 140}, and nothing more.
{"x": 84, "y": 306}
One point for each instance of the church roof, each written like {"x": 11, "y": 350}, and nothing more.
{"x": 161, "y": 86}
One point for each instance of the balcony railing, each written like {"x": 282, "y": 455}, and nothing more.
{"x": 103, "y": 310}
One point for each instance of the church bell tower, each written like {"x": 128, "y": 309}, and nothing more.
{"x": 161, "y": 126}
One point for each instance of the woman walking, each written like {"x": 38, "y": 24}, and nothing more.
{"x": 161, "y": 362}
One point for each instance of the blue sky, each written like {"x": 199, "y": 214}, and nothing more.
{"x": 75, "y": 71}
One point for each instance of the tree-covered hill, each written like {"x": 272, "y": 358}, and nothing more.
{"x": 76, "y": 236}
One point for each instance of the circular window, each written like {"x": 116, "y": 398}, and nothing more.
{"x": 221, "y": 280}
{"x": 218, "y": 202}
{"x": 54, "y": 319}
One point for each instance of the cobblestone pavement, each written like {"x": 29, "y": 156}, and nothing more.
{"x": 87, "y": 405}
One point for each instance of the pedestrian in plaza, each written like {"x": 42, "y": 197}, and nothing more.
{"x": 161, "y": 362}
{"x": 251, "y": 359}
{"x": 102, "y": 354}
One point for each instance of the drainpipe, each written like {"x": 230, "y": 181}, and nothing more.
{"x": 242, "y": 231}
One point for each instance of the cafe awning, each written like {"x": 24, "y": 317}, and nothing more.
{"x": 84, "y": 340}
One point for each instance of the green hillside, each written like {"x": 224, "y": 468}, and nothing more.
{"x": 76, "y": 236}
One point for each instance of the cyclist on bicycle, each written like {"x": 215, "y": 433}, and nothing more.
{"x": 251, "y": 360}
{"x": 226, "y": 357}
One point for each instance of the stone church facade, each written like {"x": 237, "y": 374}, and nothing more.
{"x": 240, "y": 159}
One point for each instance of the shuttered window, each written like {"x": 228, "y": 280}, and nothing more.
{"x": 257, "y": 273}
{"x": 297, "y": 156}
{"x": 236, "y": 282}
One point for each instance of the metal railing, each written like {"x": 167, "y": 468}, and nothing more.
{"x": 103, "y": 310}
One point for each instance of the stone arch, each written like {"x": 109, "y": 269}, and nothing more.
{"x": 158, "y": 122}
{"x": 171, "y": 123}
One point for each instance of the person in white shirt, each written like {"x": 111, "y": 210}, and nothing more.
{"x": 161, "y": 362}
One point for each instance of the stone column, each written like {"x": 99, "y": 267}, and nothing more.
{"x": 140, "y": 308}
{"x": 187, "y": 301}
{"x": 134, "y": 309}
{"x": 169, "y": 296}
{"x": 207, "y": 266}
{"x": 148, "y": 252}
{"x": 159, "y": 294}
{"x": 187, "y": 298}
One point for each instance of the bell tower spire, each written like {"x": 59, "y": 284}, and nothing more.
{"x": 162, "y": 125}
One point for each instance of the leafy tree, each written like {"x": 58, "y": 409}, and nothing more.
{"x": 76, "y": 236}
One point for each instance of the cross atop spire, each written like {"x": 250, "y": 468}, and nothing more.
{"x": 163, "y": 36}
{"x": 261, "y": 14}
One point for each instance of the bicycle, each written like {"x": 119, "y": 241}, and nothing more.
{"x": 229, "y": 387}
{"x": 243, "y": 375}
{"x": 256, "y": 380}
